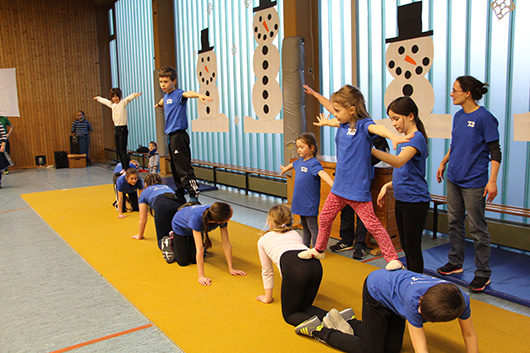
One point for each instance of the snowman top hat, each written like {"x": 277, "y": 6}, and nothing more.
{"x": 409, "y": 23}
{"x": 264, "y": 4}
{"x": 205, "y": 41}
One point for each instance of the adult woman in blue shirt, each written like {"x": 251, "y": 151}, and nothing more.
{"x": 474, "y": 142}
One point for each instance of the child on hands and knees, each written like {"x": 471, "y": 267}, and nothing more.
{"x": 408, "y": 179}
{"x": 128, "y": 184}
{"x": 391, "y": 299}
{"x": 189, "y": 239}
{"x": 306, "y": 194}
{"x": 300, "y": 278}
{"x": 161, "y": 199}
{"x": 351, "y": 186}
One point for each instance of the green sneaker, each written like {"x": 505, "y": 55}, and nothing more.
{"x": 309, "y": 326}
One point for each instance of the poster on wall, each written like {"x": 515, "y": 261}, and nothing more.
{"x": 210, "y": 119}
{"x": 8, "y": 93}
{"x": 266, "y": 93}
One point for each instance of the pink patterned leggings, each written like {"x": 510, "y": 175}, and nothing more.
{"x": 365, "y": 210}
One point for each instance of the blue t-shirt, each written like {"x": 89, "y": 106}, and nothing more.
{"x": 409, "y": 181}
{"x": 123, "y": 186}
{"x": 175, "y": 111}
{"x": 306, "y": 193}
{"x": 400, "y": 291}
{"x": 469, "y": 157}
{"x": 189, "y": 219}
{"x": 353, "y": 172}
{"x": 118, "y": 167}
{"x": 152, "y": 191}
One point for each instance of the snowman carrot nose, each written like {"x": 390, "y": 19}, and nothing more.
{"x": 265, "y": 25}
{"x": 410, "y": 60}
{"x": 206, "y": 68}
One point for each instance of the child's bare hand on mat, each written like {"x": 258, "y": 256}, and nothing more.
{"x": 205, "y": 281}
{"x": 121, "y": 216}
{"x": 263, "y": 298}
{"x": 238, "y": 273}
{"x": 138, "y": 237}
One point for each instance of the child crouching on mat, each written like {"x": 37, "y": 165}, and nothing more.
{"x": 300, "y": 278}
{"x": 128, "y": 184}
{"x": 391, "y": 298}
{"x": 189, "y": 239}
{"x": 306, "y": 194}
{"x": 164, "y": 204}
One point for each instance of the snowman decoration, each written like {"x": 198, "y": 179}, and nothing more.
{"x": 408, "y": 58}
{"x": 266, "y": 93}
{"x": 209, "y": 120}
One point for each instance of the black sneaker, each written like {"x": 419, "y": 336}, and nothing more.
{"x": 167, "y": 250}
{"x": 340, "y": 246}
{"x": 449, "y": 269}
{"x": 359, "y": 254}
{"x": 479, "y": 283}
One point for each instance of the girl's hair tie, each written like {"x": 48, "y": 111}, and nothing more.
{"x": 283, "y": 225}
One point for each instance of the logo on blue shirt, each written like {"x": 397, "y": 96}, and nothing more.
{"x": 303, "y": 169}
{"x": 169, "y": 101}
{"x": 351, "y": 131}
{"x": 470, "y": 123}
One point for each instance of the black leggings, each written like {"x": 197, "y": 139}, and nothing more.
{"x": 184, "y": 249}
{"x": 164, "y": 209}
{"x": 410, "y": 219}
{"x": 381, "y": 330}
{"x": 300, "y": 282}
{"x": 121, "y": 134}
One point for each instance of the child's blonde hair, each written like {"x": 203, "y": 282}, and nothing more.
{"x": 280, "y": 219}
{"x": 310, "y": 140}
{"x": 350, "y": 96}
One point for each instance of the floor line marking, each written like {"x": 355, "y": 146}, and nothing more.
{"x": 18, "y": 209}
{"x": 102, "y": 338}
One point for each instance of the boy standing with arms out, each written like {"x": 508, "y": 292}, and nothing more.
{"x": 391, "y": 299}
{"x": 176, "y": 122}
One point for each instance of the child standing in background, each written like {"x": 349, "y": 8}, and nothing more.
{"x": 306, "y": 193}
{"x": 408, "y": 179}
{"x": 119, "y": 117}
{"x": 154, "y": 158}
{"x": 174, "y": 104}
{"x": 351, "y": 186}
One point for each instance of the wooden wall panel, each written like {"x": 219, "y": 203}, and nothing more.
{"x": 53, "y": 46}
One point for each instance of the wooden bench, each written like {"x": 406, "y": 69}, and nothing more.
{"x": 237, "y": 168}
{"x": 492, "y": 207}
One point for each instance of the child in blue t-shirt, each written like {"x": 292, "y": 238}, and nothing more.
{"x": 391, "y": 299}
{"x": 353, "y": 172}
{"x": 408, "y": 179}
{"x": 189, "y": 239}
{"x": 118, "y": 169}
{"x": 306, "y": 193}
{"x": 161, "y": 200}
{"x": 128, "y": 184}
{"x": 176, "y": 121}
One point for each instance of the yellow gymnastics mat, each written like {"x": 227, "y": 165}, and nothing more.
{"x": 225, "y": 317}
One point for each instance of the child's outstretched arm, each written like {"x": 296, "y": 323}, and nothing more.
{"x": 199, "y": 257}
{"x": 132, "y": 97}
{"x": 227, "y": 248}
{"x": 322, "y": 120}
{"x": 267, "y": 275}
{"x": 103, "y": 101}
{"x": 160, "y": 103}
{"x": 325, "y": 176}
{"x": 143, "y": 221}
{"x": 326, "y": 103}
{"x": 286, "y": 168}
{"x": 384, "y": 132}
{"x": 395, "y": 161}
{"x": 201, "y": 97}
{"x": 417, "y": 336}
{"x": 469, "y": 334}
